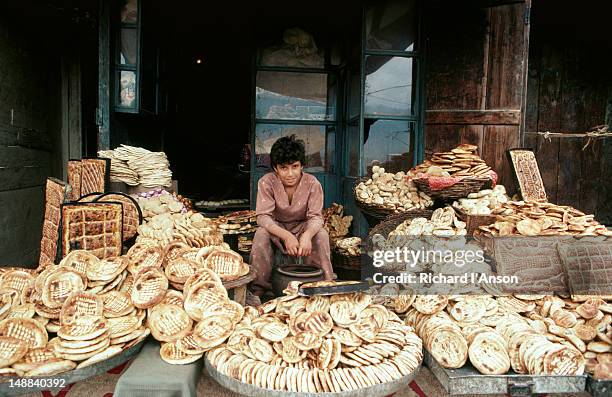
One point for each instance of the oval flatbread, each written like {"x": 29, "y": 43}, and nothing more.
{"x": 168, "y": 322}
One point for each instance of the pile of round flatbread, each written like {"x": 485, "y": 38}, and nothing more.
{"x": 67, "y": 316}
{"x": 461, "y": 161}
{"x": 542, "y": 219}
{"x": 392, "y": 192}
{"x": 191, "y": 323}
{"x": 318, "y": 344}
{"x": 443, "y": 223}
{"x": 188, "y": 308}
{"x": 191, "y": 228}
{"x": 532, "y": 334}
{"x": 85, "y": 310}
{"x": 482, "y": 202}
{"x": 157, "y": 202}
{"x": 151, "y": 168}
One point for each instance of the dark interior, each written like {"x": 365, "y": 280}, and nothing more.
{"x": 206, "y": 53}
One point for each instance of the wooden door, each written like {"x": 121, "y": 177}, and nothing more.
{"x": 475, "y": 80}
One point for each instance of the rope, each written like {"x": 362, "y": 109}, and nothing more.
{"x": 600, "y": 131}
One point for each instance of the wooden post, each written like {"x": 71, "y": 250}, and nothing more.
{"x": 103, "y": 110}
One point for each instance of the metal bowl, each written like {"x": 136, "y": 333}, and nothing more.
{"x": 246, "y": 389}
{"x": 73, "y": 376}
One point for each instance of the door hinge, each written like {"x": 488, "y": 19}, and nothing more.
{"x": 527, "y": 15}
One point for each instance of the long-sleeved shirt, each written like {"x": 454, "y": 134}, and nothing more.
{"x": 306, "y": 205}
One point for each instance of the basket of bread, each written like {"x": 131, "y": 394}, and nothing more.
{"x": 454, "y": 174}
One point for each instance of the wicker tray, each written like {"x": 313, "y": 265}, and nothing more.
{"x": 459, "y": 190}
{"x": 473, "y": 222}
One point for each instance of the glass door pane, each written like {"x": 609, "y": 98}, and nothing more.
{"x": 389, "y": 88}
{"x": 388, "y": 143}
{"x": 294, "y": 96}
{"x": 316, "y": 138}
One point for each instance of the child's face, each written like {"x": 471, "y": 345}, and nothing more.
{"x": 289, "y": 174}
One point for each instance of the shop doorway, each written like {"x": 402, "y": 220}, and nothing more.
{"x": 231, "y": 81}
{"x": 342, "y": 76}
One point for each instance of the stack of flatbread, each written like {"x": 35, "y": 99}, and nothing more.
{"x": 151, "y": 168}
{"x": 459, "y": 162}
{"x": 318, "y": 344}
{"x": 532, "y": 334}
{"x": 120, "y": 171}
{"x": 188, "y": 308}
{"x": 443, "y": 223}
{"x": 239, "y": 222}
{"x": 527, "y": 218}
{"x": 191, "y": 228}
{"x": 67, "y": 316}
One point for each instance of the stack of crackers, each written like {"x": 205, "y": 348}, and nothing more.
{"x": 461, "y": 161}
{"x": 318, "y": 344}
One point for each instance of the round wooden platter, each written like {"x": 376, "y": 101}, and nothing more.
{"x": 69, "y": 377}
{"x": 381, "y": 390}
{"x": 239, "y": 282}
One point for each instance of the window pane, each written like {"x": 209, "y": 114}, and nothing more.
{"x": 353, "y": 150}
{"x": 129, "y": 46}
{"x": 388, "y": 86}
{"x": 391, "y": 25}
{"x": 314, "y": 137}
{"x": 297, "y": 49}
{"x": 127, "y": 89}
{"x": 293, "y": 96}
{"x": 129, "y": 11}
{"x": 387, "y": 143}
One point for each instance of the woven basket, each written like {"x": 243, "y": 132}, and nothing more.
{"x": 459, "y": 190}
{"x": 393, "y": 221}
{"x": 473, "y": 222}
{"x": 375, "y": 214}
{"x": 346, "y": 261}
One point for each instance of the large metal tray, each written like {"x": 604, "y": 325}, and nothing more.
{"x": 599, "y": 388}
{"x": 73, "y": 376}
{"x": 382, "y": 390}
{"x": 467, "y": 380}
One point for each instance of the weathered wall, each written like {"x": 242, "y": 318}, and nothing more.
{"x": 569, "y": 90}
{"x": 474, "y": 80}
{"x": 29, "y": 128}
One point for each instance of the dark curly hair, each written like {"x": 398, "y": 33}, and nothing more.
{"x": 287, "y": 150}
